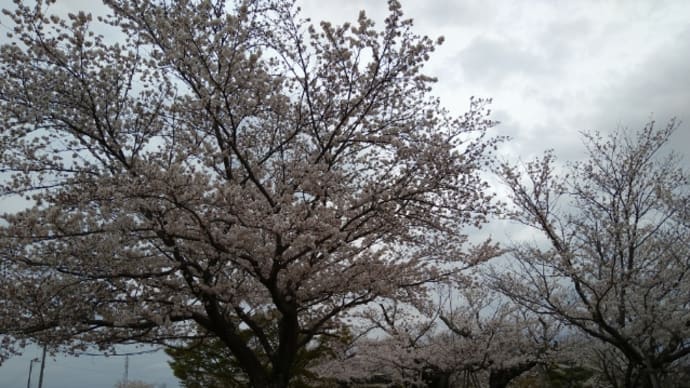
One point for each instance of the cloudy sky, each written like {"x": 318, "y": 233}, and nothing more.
{"x": 553, "y": 68}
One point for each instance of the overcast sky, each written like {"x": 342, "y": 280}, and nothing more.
{"x": 553, "y": 68}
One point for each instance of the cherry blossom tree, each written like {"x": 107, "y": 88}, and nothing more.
{"x": 498, "y": 338}
{"x": 484, "y": 341}
{"x": 226, "y": 165}
{"x": 616, "y": 259}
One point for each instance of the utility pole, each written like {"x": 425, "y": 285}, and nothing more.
{"x": 31, "y": 364}
{"x": 125, "y": 380}
{"x": 43, "y": 365}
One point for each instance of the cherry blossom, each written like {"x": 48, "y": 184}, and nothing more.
{"x": 211, "y": 163}
{"x": 615, "y": 264}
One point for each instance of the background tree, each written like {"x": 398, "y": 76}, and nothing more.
{"x": 615, "y": 263}
{"x": 498, "y": 338}
{"x": 208, "y": 363}
{"x": 482, "y": 341}
{"x": 224, "y": 162}
{"x": 133, "y": 384}
{"x": 557, "y": 375}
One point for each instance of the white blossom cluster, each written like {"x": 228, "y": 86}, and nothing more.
{"x": 220, "y": 162}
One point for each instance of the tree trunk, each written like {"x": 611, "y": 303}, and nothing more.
{"x": 288, "y": 337}
{"x": 651, "y": 379}
{"x": 437, "y": 379}
{"x": 500, "y": 378}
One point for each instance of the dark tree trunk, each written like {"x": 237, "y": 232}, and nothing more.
{"x": 435, "y": 377}
{"x": 288, "y": 338}
{"x": 439, "y": 379}
{"x": 500, "y": 378}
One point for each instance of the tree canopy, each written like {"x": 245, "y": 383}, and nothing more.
{"x": 226, "y": 166}
{"x": 615, "y": 262}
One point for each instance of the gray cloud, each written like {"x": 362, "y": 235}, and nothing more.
{"x": 470, "y": 13}
{"x": 659, "y": 85}
{"x": 491, "y": 61}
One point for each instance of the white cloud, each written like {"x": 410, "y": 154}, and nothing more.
{"x": 555, "y": 68}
